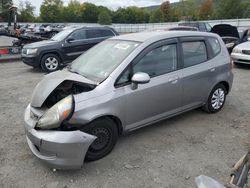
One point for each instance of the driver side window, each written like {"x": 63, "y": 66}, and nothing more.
{"x": 158, "y": 61}
{"x": 78, "y": 34}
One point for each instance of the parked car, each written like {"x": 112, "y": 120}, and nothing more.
{"x": 229, "y": 35}
{"x": 201, "y": 26}
{"x": 177, "y": 28}
{"x": 64, "y": 47}
{"x": 183, "y": 28}
{"x": 122, "y": 84}
{"x": 241, "y": 53}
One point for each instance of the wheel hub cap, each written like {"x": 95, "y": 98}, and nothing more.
{"x": 102, "y": 140}
{"x": 218, "y": 98}
{"x": 51, "y": 63}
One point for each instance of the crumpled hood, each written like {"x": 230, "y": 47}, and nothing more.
{"x": 50, "y": 82}
{"x": 225, "y": 30}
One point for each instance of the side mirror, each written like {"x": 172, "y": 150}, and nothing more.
{"x": 69, "y": 40}
{"x": 139, "y": 78}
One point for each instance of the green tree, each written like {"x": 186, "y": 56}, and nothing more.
{"x": 189, "y": 9}
{"x": 72, "y": 12}
{"x": 230, "y": 9}
{"x": 156, "y": 16}
{"x": 51, "y": 11}
{"x": 90, "y": 13}
{"x": 4, "y": 9}
{"x": 26, "y": 12}
{"x": 131, "y": 15}
{"x": 119, "y": 16}
{"x": 104, "y": 18}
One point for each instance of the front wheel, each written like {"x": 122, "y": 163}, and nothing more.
{"x": 216, "y": 99}
{"x": 50, "y": 62}
{"x": 106, "y": 132}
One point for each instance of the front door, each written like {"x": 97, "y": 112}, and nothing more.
{"x": 162, "y": 95}
{"x": 77, "y": 46}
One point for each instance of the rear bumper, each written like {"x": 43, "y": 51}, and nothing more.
{"x": 58, "y": 149}
{"x": 240, "y": 58}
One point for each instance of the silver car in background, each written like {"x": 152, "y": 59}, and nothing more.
{"x": 120, "y": 85}
{"x": 241, "y": 53}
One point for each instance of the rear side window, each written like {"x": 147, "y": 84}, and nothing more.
{"x": 107, "y": 33}
{"x": 194, "y": 53}
{"x": 215, "y": 45}
{"x": 94, "y": 33}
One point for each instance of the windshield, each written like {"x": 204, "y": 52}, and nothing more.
{"x": 61, "y": 35}
{"x": 98, "y": 62}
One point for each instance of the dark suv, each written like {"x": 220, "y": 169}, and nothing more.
{"x": 64, "y": 47}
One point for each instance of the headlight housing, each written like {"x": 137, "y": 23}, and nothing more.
{"x": 31, "y": 51}
{"x": 57, "y": 114}
{"x": 237, "y": 50}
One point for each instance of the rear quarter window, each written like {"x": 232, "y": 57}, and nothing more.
{"x": 107, "y": 33}
{"x": 215, "y": 46}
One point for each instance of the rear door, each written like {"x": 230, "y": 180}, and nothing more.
{"x": 197, "y": 71}
{"x": 77, "y": 46}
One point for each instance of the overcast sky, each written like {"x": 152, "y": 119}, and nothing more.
{"x": 112, "y": 4}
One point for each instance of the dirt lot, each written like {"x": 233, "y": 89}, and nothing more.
{"x": 168, "y": 154}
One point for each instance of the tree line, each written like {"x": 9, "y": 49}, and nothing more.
{"x": 74, "y": 11}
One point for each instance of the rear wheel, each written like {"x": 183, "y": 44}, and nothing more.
{"x": 50, "y": 62}
{"x": 106, "y": 132}
{"x": 216, "y": 99}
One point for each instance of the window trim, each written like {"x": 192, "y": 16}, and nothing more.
{"x": 145, "y": 51}
{"x": 193, "y": 39}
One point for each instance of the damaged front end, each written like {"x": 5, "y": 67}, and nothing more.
{"x": 52, "y": 106}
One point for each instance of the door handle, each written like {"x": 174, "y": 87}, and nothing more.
{"x": 212, "y": 69}
{"x": 174, "y": 79}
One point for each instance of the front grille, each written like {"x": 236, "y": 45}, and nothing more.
{"x": 247, "y": 52}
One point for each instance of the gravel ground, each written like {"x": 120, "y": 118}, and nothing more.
{"x": 167, "y": 154}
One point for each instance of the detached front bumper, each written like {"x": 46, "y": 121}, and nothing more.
{"x": 58, "y": 149}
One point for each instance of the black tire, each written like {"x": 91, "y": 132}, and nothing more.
{"x": 50, "y": 62}
{"x": 107, "y": 134}
{"x": 210, "y": 105}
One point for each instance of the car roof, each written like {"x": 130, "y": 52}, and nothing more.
{"x": 74, "y": 27}
{"x": 159, "y": 35}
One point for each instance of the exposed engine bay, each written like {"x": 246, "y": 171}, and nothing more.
{"x": 67, "y": 87}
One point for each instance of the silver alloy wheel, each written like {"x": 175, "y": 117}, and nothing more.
{"x": 51, "y": 63}
{"x": 218, "y": 98}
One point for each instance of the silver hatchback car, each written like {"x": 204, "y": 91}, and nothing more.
{"x": 122, "y": 84}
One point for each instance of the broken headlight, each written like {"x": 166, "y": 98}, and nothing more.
{"x": 57, "y": 114}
